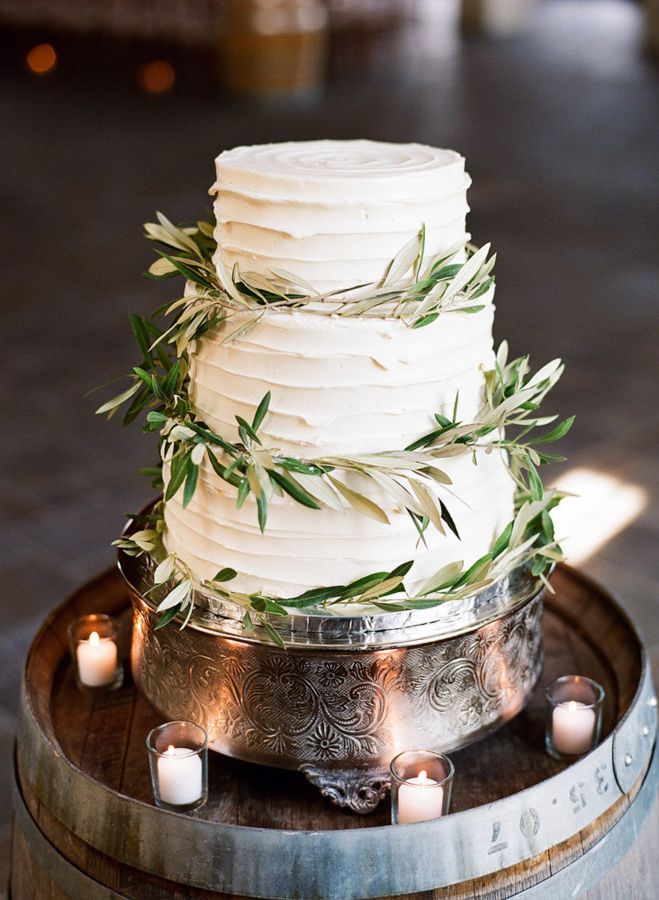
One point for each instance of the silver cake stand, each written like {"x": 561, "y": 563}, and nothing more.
{"x": 349, "y": 692}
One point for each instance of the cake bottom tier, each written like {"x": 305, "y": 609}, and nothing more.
{"x": 305, "y": 548}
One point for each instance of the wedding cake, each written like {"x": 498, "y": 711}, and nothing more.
{"x": 341, "y": 453}
{"x": 334, "y": 213}
{"x": 335, "y": 426}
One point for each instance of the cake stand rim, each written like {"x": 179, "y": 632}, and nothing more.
{"x": 380, "y": 629}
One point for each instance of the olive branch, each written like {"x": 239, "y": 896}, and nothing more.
{"x": 413, "y": 289}
{"x": 413, "y": 478}
{"x": 527, "y": 537}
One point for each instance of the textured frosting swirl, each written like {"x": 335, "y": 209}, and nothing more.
{"x": 304, "y": 548}
{"x": 317, "y": 170}
{"x": 335, "y": 212}
{"x": 342, "y": 385}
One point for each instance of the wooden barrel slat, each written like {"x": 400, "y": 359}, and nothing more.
{"x": 102, "y": 738}
{"x": 124, "y": 881}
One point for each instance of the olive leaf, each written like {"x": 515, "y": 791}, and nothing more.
{"x": 178, "y": 595}
{"x": 359, "y": 502}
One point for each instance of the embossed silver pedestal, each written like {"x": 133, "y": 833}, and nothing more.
{"x": 349, "y": 692}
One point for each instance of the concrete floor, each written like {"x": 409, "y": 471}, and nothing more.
{"x": 559, "y": 131}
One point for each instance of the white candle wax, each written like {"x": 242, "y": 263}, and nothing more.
{"x": 179, "y": 776}
{"x": 573, "y": 726}
{"x": 419, "y": 799}
{"x": 97, "y": 660}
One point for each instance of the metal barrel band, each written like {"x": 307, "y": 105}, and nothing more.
{"x": 406, "y": 859}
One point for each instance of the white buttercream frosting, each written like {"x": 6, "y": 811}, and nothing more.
{"x": 335, "y": 213}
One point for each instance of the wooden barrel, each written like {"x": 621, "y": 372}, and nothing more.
{"x": 521, "y": 823}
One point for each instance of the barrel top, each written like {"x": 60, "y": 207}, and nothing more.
{"x": 78, "y": 750}
{"x": 104, "y": 735}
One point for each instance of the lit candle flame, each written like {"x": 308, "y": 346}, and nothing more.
{"x": 94, "y": 639}
{"x": 423, "y": 775}
{"x": 171, "y": 750}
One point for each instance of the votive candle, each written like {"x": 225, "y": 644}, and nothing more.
{"x": 178, "y": 759}
{"x": 95, "y": 654}
{"x": 419, "y": 805}
{"x": 574, "y": 715}
{"x": 180, "y": 776}
{"x": 97, "y": 660}
{"x": 421, "y": 782}
{"x": 573, "y": 725}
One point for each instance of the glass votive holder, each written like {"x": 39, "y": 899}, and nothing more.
{"x": 574, "y": 716}
{"x": 95, "y": 654}
{"x": 178, "y": 759}
{"x": 421, "y": 782}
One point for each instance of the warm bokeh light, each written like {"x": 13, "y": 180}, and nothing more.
{"x": 157, "y": 76}
{"x": 603, "y": 507}
{"x": 41, "y": 59}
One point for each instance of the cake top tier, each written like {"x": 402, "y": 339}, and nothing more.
{"x": 335, "y": 213}
{"x": 330, "y": 170}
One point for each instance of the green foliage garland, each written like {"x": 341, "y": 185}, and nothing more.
{"x": 415, "y": 292}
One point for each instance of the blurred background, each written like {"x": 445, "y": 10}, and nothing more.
{"x": 111, "y": 110}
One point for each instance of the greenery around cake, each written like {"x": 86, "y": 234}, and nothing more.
{"x": 415, "y": 290}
